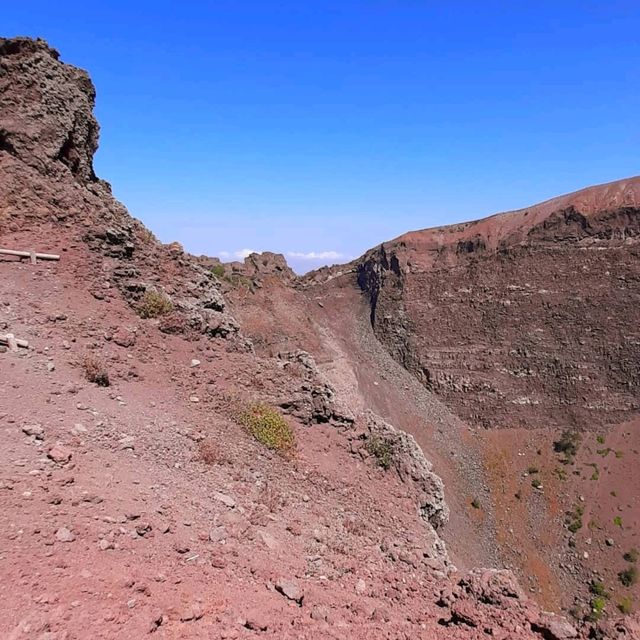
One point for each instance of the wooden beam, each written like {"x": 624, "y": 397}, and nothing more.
{"x": 30, "y": 254}
{"x": 12, "y": 342}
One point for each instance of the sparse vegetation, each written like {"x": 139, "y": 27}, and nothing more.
{"x": 218, "y": 271}
{"x": 147, "y": 236}
{"x": 575, "y": 526}
{"x": 240, "y": 281}
{"x": 560, "y": 473}
{"x": 596, "y": 471}
{"x": 475, "y": 503}
{"x": 236, "y": 280}
{"x": 631, "y": 555}
{"x": 271, "y": 498}
{"x": 536, "y": 483}
{"x": 594, "y": 524}
{"x": 383, "y": 450}
{"x": 618, "y": 521}
{"x": 575, "y": 518}
{"x": 597, "y": 588}
{"x": 625, "y": 606}
{"x": 210, "y": 453}
{"x": 567, "y": 445}
{"x": 598, "y": 604}
{"x": 532, "y": 470}
{"x": 95, "y": 370}
{"x": 628, "y": 577}
{"x": 154, "y": 304}
{"x": 268, "y": 427}
{"x": 600, "y": 439}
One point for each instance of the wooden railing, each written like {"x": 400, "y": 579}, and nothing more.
{"x": 29, "y": 254}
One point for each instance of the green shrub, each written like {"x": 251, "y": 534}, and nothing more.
{"x": 567, "y": 445}
{"x": 383, "y": 450}
{"x": 154, "y": 304}
{"x": 631, "y": 555}
{"x": 628, "y": 577}
{"x": 475, "y": 503}
{"x": 575, "y": 525}
{"x": 596, "y": 471}
{"x": 597, "y": 588}
{"x": 618, "y": 521}
{"x": 532, "y": 470}
{"x": 597, "y": 608}
{"x": 218, "y": 271}
{"x": 536, "y": 484}
{"x": 575, "y": 518}
{"x": 268, "y": 427}
{"x": 600, "y": 439}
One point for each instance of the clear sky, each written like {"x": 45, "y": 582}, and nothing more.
{"x": 324, "y": 128}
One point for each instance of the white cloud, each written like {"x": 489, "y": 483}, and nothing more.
{"x": 315, "y": 255}
{"x": 240, "y": 255}
{"x": 245, "y": 253}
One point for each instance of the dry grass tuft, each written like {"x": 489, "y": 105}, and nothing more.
{"x": 268, "y": 427}
{"x": 95, "y": 370}
{"x": 210, "y": 453}
{"x": 154, "y": 304}
{"x": 383, "y": 449}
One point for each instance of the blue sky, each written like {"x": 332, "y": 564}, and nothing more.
{"x": 324, "y": 128}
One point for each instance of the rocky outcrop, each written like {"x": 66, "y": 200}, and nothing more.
{"x": 402, "y": 453}
{"x": 48, "y": 136}
{"x": 46, "y": 109}
{"x": 314, "y": 401}
{"x": 492, "y": 603}
{"x": 382, "y": 277}
{"x": 260, "y": 265}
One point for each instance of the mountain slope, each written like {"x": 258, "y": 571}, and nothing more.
{"x": 134, "y": 502}
{"x": 135, "y": 499}
{"x": 490, "y": 340}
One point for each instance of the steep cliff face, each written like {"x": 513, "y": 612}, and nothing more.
{"x": 525, "y": 325}
{"x": 515, "y": 323}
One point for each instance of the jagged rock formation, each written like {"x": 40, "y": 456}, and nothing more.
{"x": 524, "y": 325}
{"x": 260, "y": 265}
{"x": 409, "y": 461}
{"x": 48, "y": 136}
{"x": 48, "y": 121}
